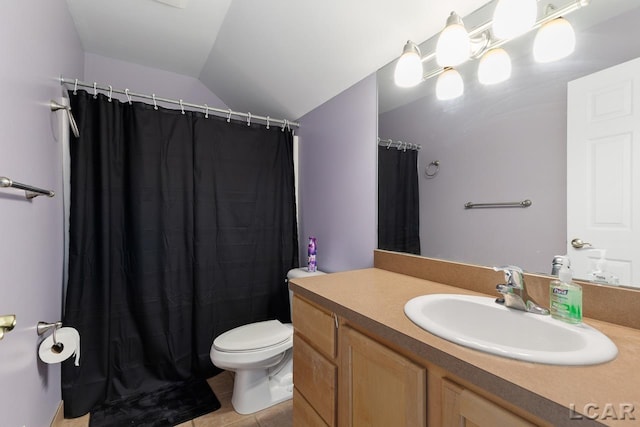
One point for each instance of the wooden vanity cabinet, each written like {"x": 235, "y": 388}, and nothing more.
{"x": 344, "y": 376}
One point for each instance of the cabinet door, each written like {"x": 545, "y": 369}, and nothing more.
{"x": 378, "y": 387}
{"x": 463, "y": 408}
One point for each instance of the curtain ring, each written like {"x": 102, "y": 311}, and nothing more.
{"x": 390, "y": 142}
{"x": 126, "y": 92}
{"x": 267, "y": 122}
{"x": 229, "y": 116}
{"x": 249, "y": 119}
{"x": 95, "y": 90}
{"x": 206, "y": 111}
{"x": 75, "y": 87}
{"x": 284, "y": 124}
{"x": 110, "y": 92}
{"x": 181, "y": 106}
{"x": 155, "y": 104}
{"x": 435, "y": 163}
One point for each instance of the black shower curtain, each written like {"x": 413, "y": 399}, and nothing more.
{"x": 181, "y": 227}
{"x": 398, "y": 201}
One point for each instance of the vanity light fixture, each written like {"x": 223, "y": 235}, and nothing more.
{"x": 449, "y": 85}
{"x": 512, "y": 18}
{"x": 455, "y": 45}
{"x": 554, "y": 40}
{"x": 494, "y": 67}
{"x": 408, "y": 72}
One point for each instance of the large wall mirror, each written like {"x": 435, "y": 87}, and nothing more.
{"x": 503, "y": 143}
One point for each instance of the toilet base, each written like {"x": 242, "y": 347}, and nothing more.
{"x": 257, "y": 389}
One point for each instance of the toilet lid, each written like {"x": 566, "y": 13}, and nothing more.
{"x": 253, "y": 336}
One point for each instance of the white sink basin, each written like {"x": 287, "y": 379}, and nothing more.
{"x": 480, "y": 323}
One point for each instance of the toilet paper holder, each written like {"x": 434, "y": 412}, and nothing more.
{"x": 43, "y": 327}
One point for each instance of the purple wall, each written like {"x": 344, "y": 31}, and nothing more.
{"x": 338, "y": 196}
{"x": 503, "y": 143}
{"x": 121, "y": 75}
{"x": 39, "y": 43}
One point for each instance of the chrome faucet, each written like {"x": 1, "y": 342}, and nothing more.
{"x": 556, "y": 264}
{"x": 515, "y": 293}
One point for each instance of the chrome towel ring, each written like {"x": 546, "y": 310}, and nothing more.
{"x": 432, "y": 169}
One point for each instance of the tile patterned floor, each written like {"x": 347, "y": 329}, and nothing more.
{"x": 279, "y": 415}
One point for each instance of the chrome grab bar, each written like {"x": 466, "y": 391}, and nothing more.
{"x": 523, "y": 204}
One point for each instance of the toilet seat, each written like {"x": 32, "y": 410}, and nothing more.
{"x": 253, "y": 337}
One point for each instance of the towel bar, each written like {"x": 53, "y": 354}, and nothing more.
{"x": 30, "y": 192}
{"x": 523, "y": 204}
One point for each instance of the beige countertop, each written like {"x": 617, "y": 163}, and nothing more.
{"x": 374, "y": 299}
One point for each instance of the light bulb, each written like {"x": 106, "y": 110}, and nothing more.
{"x": 408, "y": 72}
{"x": 494, "y": 67}
{"x": 449, "y": 85}
{"x": 513, "y": 17}
{"x": 453, "y": 47}
{"x": 554, "y": 40}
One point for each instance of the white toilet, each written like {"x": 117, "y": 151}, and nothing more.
{"x": 261, "y": 356}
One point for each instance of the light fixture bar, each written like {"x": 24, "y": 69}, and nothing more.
{"x": 477, "y": 31}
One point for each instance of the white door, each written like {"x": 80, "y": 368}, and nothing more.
{"x": 603, "y": 171}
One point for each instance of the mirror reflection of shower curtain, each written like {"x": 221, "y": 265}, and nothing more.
{"x": 398, "y": 203}
{"x": 182, "y": 227}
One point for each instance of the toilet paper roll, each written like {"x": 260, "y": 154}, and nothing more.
{"x": 70, "y": 340}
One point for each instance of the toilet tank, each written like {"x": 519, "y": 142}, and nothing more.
{"x": 295, "y": 273}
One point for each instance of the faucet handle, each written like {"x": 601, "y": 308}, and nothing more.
{"x": 513, "y": 275}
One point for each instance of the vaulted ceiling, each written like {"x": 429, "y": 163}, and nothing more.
{"x": 280, "y": 58}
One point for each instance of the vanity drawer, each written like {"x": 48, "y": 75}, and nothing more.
{"x": 303, "y": 412}
{"x": 316, "y": 325}
{"x": 315, "y": 377}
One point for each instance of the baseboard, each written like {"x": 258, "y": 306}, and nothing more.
{"x": 59, "y": 416}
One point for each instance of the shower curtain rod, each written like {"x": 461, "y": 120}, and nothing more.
{"x": 400, "y": 145}
{"x": 205, "y": 108}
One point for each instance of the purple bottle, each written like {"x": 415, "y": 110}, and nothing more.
{"x": 311, "y": 253}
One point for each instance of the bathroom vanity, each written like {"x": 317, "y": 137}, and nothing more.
{"x": 358, "y": 360}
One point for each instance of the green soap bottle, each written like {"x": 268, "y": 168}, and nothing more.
{"x": 565, "y": 296}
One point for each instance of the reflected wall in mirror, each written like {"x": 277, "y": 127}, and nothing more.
{"x": 502, "y": 143}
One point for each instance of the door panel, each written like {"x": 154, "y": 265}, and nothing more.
{"x": 603, "y": 171}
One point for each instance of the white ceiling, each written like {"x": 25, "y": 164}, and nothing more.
{"x": 280, "y": 58}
